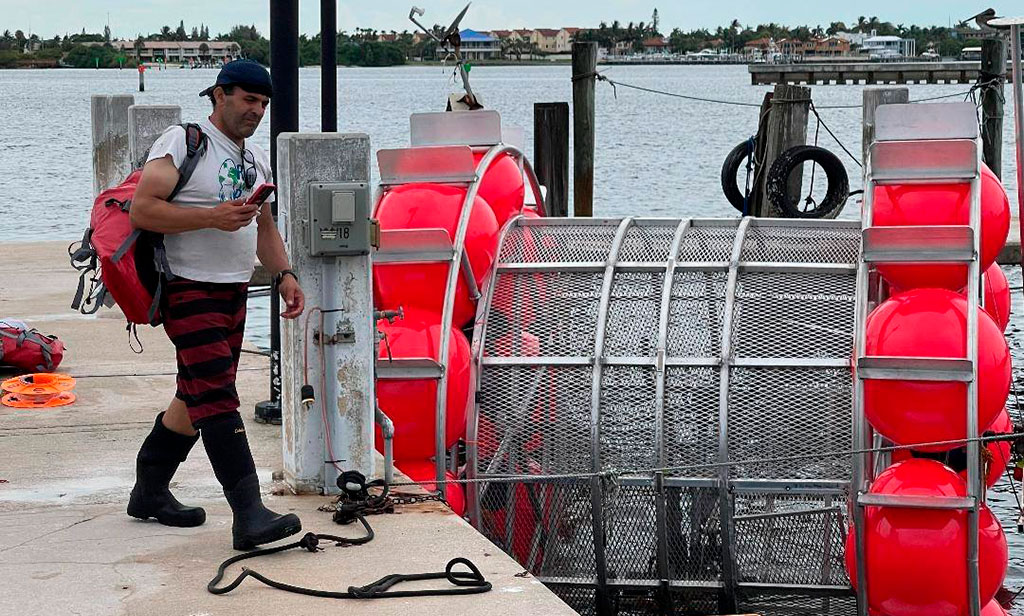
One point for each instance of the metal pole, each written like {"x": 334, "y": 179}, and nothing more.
{"x": 329, "y": 66}
{"x": 1018, "y": 122}
{"x": 284, "y": 118}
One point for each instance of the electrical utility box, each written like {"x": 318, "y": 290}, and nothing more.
{"x": 339, "y": 219}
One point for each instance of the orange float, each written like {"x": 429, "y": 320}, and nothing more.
{"x": 997, "y": 296}
{"x": 942, "y": 204}
{"x": 502, "y": 186}
{"x": 38, "y": 391}
{"x": 932, "y": 323}
{"x": 410, "y": 403}
{"x": 422, "y": 285}
{"x": 916, "y": 558}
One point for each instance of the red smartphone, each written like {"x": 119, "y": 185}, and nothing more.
{"x": 261, "y": 194}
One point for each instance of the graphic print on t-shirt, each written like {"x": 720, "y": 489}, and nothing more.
{"x": 230, "y": 178}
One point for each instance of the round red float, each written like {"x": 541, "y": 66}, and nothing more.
{"x": 998, "y": 451}
{"x": 421, "y": 285}
{"x": 916, "y": 557}
{"x": 410, "y": 403}
{"x": 942, "y": 204}
{"x": 993, "y": 609}
{"x": 502, "y": 186}
{"x": 424, "y": 472}
{"x": 997, "y": 295}
{"x": 932, "y": 323}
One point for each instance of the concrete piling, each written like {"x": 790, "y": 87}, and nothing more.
{"x": 146, "y": 123}
{"x": 110, "y": 161}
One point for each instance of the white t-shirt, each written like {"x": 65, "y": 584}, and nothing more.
{"x": 212, "y": 255}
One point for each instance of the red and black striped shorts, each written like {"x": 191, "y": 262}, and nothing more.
{"x": 206, "y": 321}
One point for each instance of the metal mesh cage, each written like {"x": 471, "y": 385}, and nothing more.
{"x": 653, "y": 399}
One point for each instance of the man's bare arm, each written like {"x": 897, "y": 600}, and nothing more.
{"x": 152, "y": 212}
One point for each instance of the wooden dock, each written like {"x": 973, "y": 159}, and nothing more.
{"x": 840, "y": 73}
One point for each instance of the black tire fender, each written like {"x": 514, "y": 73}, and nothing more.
{"x": 777, "y": 182}
{"x": 730, "y": 167}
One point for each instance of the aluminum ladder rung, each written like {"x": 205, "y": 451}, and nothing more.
{"x": 918, "y": 244}
{"x": 884, "y": 368}
{"x": 445, "y": 164}
{"x": 903, "y": 501}
{"x": 409, "y": 369}
{"x": 414, "y": 246}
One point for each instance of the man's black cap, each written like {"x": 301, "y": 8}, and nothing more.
{"x": 247, "y": 74}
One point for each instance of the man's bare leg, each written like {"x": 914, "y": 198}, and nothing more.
{"x": 176, "y": 418}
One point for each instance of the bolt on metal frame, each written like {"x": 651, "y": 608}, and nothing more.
{"x": 913, "y": 146}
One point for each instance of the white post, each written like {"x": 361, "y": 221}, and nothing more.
{"x": 146, "y": 123}
{"x": 110, "y": 162}
{"x": 342, "y": 288}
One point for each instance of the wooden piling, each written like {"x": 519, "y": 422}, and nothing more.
{"x": 142, "y": 78}
{"x": 787, "y": 128}
{"x": 993, "y": 68}
{"x": 584, "y": 78}
{"x": 756, "y": 205}
{"x": 872, "y": 98}
{"x": 551, "y": 154}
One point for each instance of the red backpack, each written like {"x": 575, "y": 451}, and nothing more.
{"x": 123, "y": 264}
{"x": 26, "y": 349}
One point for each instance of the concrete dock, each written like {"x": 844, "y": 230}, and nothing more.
{"x": 865, "y": 72}
{"x": 67, "y": 547}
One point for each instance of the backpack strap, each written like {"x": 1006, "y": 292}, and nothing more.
{"x": 195, "y": 147}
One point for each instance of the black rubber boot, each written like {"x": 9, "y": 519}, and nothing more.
{"x": 254, "y": 524}
{"x": 228, "y": 448}
{"x": 158, "y": 459}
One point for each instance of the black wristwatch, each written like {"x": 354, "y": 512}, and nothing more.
{"x": 285, "y": 272}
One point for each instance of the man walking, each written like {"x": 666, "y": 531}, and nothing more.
{"x": 211, "y": 245}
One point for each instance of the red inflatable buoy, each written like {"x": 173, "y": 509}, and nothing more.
{"x": 410, "y": 403}
{"x": 932, "y": 323}
{"x": 993, "y": 609}
{"x": 916, "y": 558}
{"x": 942, "y": 204}
{"x": 502, "y": 186}
{"x": 424, "y": 473}
{"x": 421, "y": 285}
{"x": 998, "y": 451}
{"x": 997, "y": 296}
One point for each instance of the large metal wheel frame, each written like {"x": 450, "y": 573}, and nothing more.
{"x": 703, "y": 363}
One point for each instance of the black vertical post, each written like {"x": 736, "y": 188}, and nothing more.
{"x": 551, "y": 154}
{"x": 284, "y": 118}
{"x": 993, "y": 75}
{"x": 584, "y": 78}
{"x": 329, "y": 66}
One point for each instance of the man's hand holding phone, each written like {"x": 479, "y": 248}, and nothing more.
{"x": 237, "y": 213}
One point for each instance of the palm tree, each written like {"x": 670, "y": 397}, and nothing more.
{"x": 860, "y": 24}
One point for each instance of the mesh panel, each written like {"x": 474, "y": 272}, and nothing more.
{"x": 780, "y": 412}
{"x": 796, "y": 605}
{"x": 538, "y": 419}
{"x": 794, "y": 315}
{"x": 789, "y": 539}
{"x": 801, "y": 244}
{"x": 627, "y": 417}
{"x": 691, "y": 419}
{"x": 557, "y": 244}
{"x": 631, "y": 534}
{"x": 646, "y": 243}
{"x": 633, "y": 314}
{"x": 694, "y": 534}
{"x": 551, "y": 314}
{"x": 695, "y": 314}
{"x": 707, "y": 244}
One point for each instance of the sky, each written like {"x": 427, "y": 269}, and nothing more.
{"x": 129, "y": 18}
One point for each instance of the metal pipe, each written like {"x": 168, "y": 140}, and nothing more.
{"x": 975, "y": 487}
{"x": 1018, "y": 115}
{"x": 329, "y": 66}
{"x": 387, "y": 430}
{"x": 284, "y": 118}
